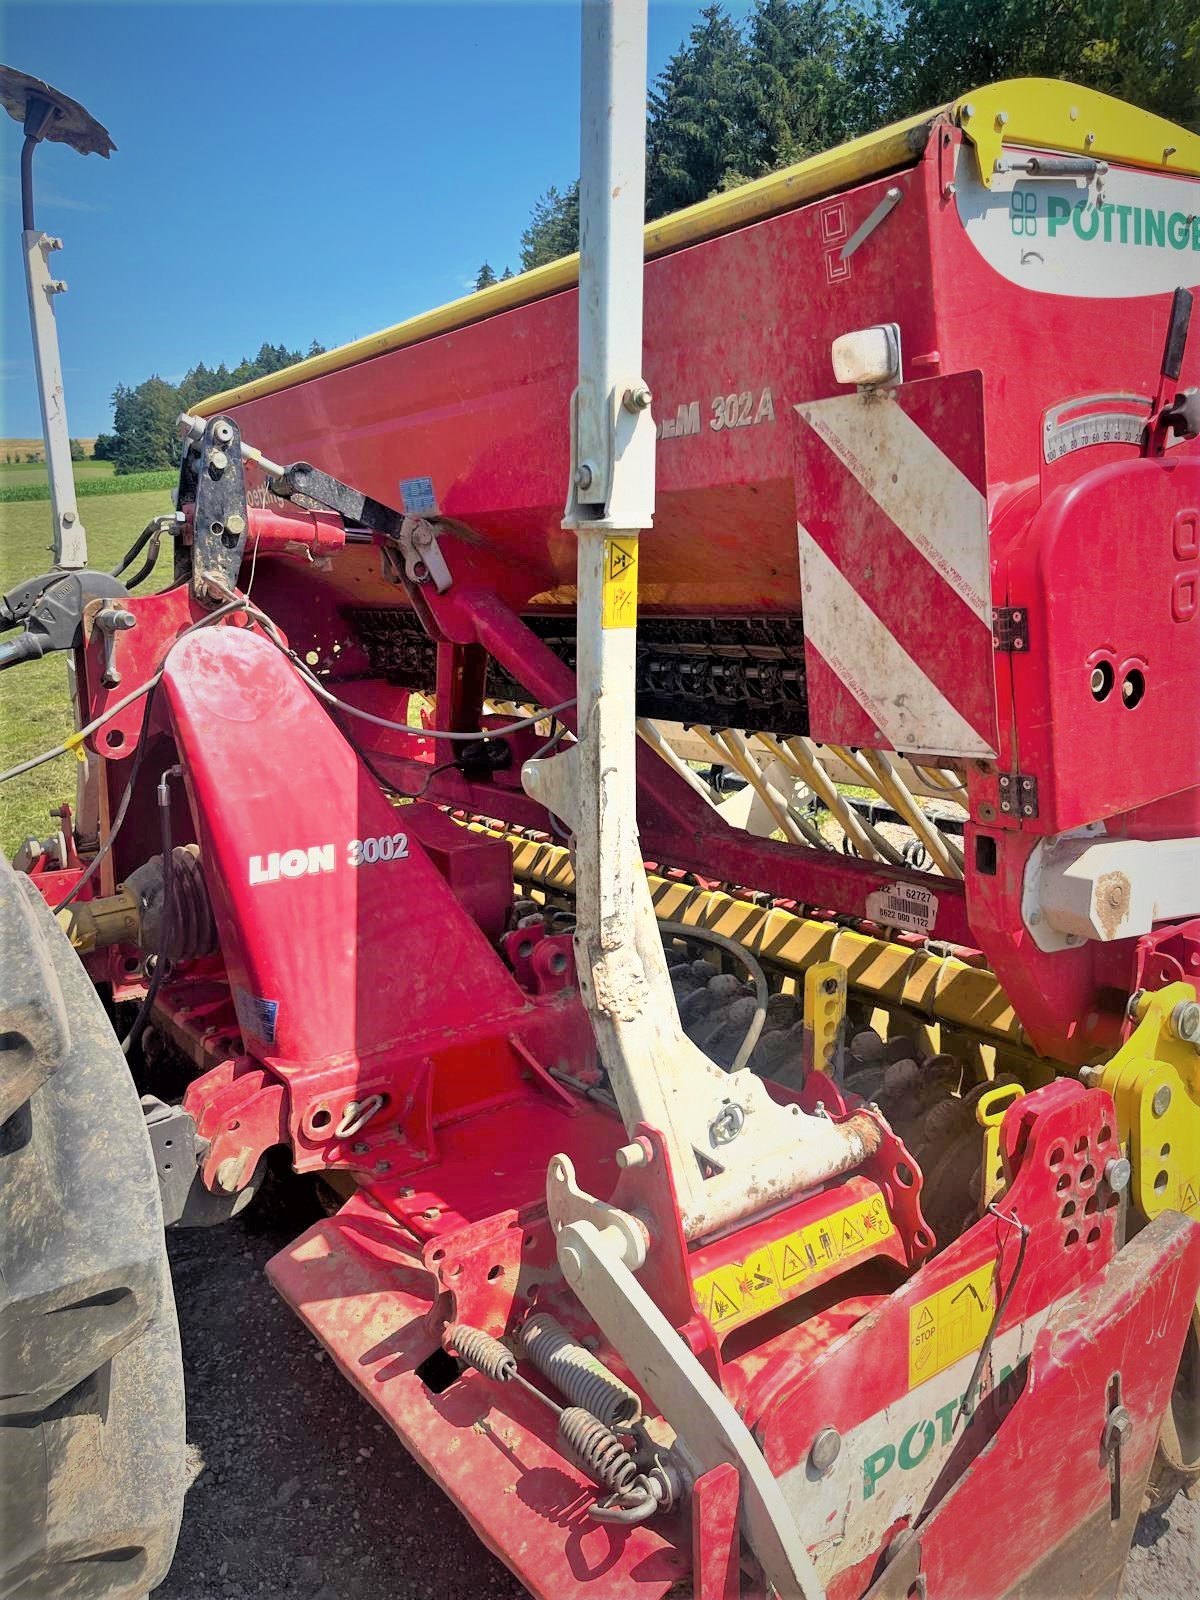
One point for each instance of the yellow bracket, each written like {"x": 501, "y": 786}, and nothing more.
{"x": 989, "y": 1113}
{"x": 1154, "y": 1080}
{"x": 1043, "y": 114}
{"x": 825, "y": 1012}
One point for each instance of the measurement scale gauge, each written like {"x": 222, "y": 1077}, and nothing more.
{"x": 1093, "y": 419}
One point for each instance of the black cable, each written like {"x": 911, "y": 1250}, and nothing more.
{"x": 166, "y": 923}
{"x": 89, "y": 872}
{"x": 147, "y": 566}
{"x": 138, "y": 545}
{"x": 985, "y": 1349}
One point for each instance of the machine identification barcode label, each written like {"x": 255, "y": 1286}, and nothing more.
{"x": 904, "y": 905}
{"x": 620, "y": 583}
{"x": 256, "y": 1015}
{"x": 417, "y": 497}
{"x": 779, "y": 1270}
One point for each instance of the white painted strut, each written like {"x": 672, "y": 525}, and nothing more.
{"x": 733, "y": 1150}
{"x": 70, "y": 541}
{"x": 1084, "y": 886}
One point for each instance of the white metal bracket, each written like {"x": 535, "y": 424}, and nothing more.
{"x": 708, "y": 1428}
{"x": 70, "y": 541}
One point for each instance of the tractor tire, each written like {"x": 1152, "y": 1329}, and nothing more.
{"x": 92, "y": 1443}
{"x": 1177, "y": 1460}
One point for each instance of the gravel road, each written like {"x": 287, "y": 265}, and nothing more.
{"x": 301, "y": 1493}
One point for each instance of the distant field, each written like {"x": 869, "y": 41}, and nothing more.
{"x": 20, "y": 448}
{"x": 13, "y": 472}
{"x": 35, "y": 711}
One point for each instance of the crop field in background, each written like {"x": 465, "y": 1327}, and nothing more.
{"x": 15, "y": 472}
{"x": 35, "y": 708}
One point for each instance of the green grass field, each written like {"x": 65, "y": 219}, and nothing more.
{"x": 35, "y": 711}
{"x": 13, "y": 472}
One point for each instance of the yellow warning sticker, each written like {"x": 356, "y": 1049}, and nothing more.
{"x": 620, "y": 583}
{"x": 777, "y": 1271}
{"x": 950, "y": 1324}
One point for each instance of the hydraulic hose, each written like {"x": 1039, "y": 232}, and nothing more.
{"x": 685, "y": 930}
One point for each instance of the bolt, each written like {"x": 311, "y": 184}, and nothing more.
{"x": 1027, "y": 783}
{"x": 1115, "y": 895}
{"x": 1162, "y": 1099}
{"x": 217, "y": 462}
{"x": 1127, "y": 690}
{"x": 1185, "y": 1021}
{"x": 1004, "y": 781}
{"x": 360, "y": 1149}
{"x": 968, "y": 110}
{"x": 383, "y": 1166}
{"x": 1005, "y": 805}
{"x": 1097, "y": 679}
{"x": 583, "y": 475}
{"x": 236, "y": 524}
{"x": 1091, "y": 1077}
{"x": 1002, "y": 118}
{"x": 223, "y": 432}
{"x": 432, "y": 1213}
{"x": 1090, "y": 139}
{"x": 637, "y": 398}
{"x": 950, "y": 190}
{"x": 406, "y": 1193}
{"x": 58, "y": 286}
{"x": 68, "y": 518}
{"x": 826, "y": 1448}
{"x": 633, "y": 1155}
{"x": 1117, "y": 1173}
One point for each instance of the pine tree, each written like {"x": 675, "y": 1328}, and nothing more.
{"x": 553, "y": 229}
{"x": 485, "y": 277}
{"x": 697, "y": 140}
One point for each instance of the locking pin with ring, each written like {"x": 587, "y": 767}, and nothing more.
{"x": 357, "y": 1113}
{"x": 727, "y": 1123}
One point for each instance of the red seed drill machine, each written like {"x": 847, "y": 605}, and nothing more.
{"x": 730, "y": 951}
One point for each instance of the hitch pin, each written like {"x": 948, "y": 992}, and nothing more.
{"x": 192, "y": 428}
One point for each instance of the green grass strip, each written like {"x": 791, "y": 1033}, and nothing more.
{"x": 130, "y": 483}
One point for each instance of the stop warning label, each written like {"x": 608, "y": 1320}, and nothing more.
{"x": 948, "y": 1325}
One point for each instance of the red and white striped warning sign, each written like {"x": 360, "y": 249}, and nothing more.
{"x": 894, "y": 567}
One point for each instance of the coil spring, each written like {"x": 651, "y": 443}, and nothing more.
{"x": 597, "y": 1449}
{"x": 577, "y": 1373}
{"x": 481, "y": 1351}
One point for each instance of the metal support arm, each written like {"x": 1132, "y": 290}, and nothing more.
{"x": 733, "y": 1149}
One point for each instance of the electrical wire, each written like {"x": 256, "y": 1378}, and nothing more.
{"x": 167, "y": 921}
{"x": 93, "y": 866}
{"x": 109, "y": 712}
{"x": 685, "y": 930}
{"x": 966, "y": 1404}
{"x": 318, "y": 688}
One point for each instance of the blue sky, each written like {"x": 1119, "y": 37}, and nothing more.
{"x": 283, "y": 172}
